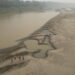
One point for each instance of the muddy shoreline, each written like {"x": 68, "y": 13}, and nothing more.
{"x": 21, "y": 41}
{"x": 43, "y": 32}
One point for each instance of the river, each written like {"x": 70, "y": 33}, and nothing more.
{"x": 19, "y": 25}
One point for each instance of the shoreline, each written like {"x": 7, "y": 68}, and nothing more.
{"x": 41, "y": 28}
{"x": 6, "y": 53}
{"x": 61, "y": 30}
{"x": 28, "y": 37}
{"x": 9, "y": 50}
{"x": 33, "y": 22}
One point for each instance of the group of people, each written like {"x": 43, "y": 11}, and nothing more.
{"x": 17, "y": 58}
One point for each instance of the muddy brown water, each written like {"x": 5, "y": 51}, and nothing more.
{"x": 19, "y": 25}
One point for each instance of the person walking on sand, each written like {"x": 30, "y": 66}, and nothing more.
{"x": 14, "y": 57}
{"x": 19, "y": 58}
{"x": 11, "y": 60}
{"x": 23, "y": 57}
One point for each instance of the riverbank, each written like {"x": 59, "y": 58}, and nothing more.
{"x": 49, "y": 48}
{"x": 21, "y": 25}
{"x": 31, "y": 47}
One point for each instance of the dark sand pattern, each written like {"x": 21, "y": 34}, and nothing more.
{"x": 12, "y": 66}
